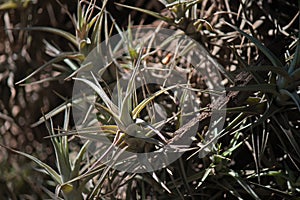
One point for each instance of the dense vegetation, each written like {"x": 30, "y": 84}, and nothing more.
{"x": 43, "y": 44}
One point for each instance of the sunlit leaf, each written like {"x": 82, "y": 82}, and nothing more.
{"x": 100, "y": 91}
{"x": 71, "y": 38}
{"x": 58, "y": 58}
{"x": 244, "y": 185}
{"x": 146, "y": 101}
{"x": 54, "y": 175}
{"x": 8, "y": 5}
{"x": 149, "y": 12}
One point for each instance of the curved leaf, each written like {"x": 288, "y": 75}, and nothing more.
{"x": 154, "y": 14}
{"x": 56, "y": 31}
{"x": 59, "y": 58}
{"x": 54, "y": 175}
{"x": 274, "y": 60}
{"x": 294, "y": 96}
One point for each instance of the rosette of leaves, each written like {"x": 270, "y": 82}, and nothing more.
{"x": 184, "y": 15}
{"x": 89, "y": 23}
{"x": 284, "y": 80}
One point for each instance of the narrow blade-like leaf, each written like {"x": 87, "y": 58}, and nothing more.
{"x": 274, "y": 60}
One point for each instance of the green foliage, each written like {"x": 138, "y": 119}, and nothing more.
{"x": 13, "y": 4}
{"x": 257, "y": 155}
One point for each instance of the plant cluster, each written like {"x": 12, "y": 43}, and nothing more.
{"x": 257, "y": 153}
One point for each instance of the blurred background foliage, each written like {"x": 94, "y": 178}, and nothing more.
{"x": 269, "y": 162}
